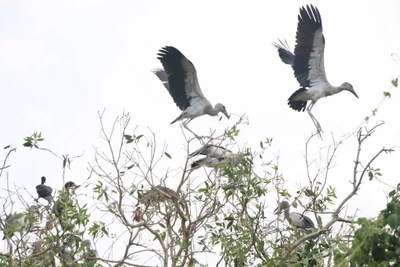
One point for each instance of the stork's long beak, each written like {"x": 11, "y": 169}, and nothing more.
{"x": 353, "y": 92}
{"x": 74, "y": 187}
{"x": 277, "y": 210}
{"x": 226, "y": 114}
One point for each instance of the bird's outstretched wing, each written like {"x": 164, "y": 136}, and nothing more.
{"x": 183, "y": 85}
{"x": 308, "y": 62}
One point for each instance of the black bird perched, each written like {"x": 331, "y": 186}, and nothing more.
{"x": 44, "y": 191}
{"x": 308, "y": 63}
{"x": 180, "y": 78}
{"x": 294, "y": 218}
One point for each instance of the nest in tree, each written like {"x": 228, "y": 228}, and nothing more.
{"x": 156, "y": 195}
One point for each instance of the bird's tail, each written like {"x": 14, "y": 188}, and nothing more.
{"x": 177, "y": 119}
{"x": 197, "y": 164}
{"x": 296, "y": 104}
{"x": 284, "y": 52}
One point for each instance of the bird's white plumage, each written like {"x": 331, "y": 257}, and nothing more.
{"x": 294, "y": 218}
{"x": 317, "y": 75}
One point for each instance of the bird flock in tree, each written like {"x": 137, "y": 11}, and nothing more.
{"x": 180, "y": 79}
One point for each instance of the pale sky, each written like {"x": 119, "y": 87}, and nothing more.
{"x": 62, "y": 61}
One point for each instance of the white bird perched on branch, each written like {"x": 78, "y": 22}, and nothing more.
{"x": 214, "y": 155}
{"x": 180, "y": 78}
{"x": 294, "y": 218}
{"x": 308, "y": 63}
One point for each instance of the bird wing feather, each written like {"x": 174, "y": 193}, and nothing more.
{"x": 212, "y": 151}
{"x": 300, "y": 220}
{"x": 285, "y": 54}
{"x": 308, "y": 64}
{"x": 183, "y": 86}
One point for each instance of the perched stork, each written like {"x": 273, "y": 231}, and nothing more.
{"x": 44, "y": 191}
{"x": 64, "y": 199}
{"x": 89, "y": 253}
{"x": 18, "y": 222}
{"x": 214, "y": 155}
{"x": 308, "y": 63}
{"x": 180, "y": 78}
{"x": 294, "y": 218}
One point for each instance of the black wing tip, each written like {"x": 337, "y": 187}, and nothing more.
{"x": 310, "y": 12}
{"x": 166, "y": 51}
{"x": 297, "y": 105}
{"x": 197, "y": 164}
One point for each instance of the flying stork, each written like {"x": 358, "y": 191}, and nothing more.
{"x": 297, "y": 219}
{"x": 44, "y": 191}
{"x": 180, "y": 78}
{"x": 308, "y": 63}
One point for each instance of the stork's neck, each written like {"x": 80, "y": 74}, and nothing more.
{"x": 334, "y": 90}
{"x": 287, "y": 215}
{"x": 211, "y": 111}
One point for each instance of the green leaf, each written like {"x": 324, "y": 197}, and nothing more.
{"x": 393, "y": 220}
{"x": 395, "y": 82}
{"x": 387, "y": 94}
{"x": 168, "y": 155}
{"x": 7, "y": 147}
{"x": 370, "y": 175}
{"x": 27, "y": 144}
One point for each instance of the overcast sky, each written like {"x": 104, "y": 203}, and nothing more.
{"x": 62, "y": 61}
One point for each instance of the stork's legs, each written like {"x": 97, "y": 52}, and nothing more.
{"x": 316, "y": 123}
{"x": 185, "y": 123}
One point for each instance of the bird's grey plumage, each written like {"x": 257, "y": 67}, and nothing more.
{"x": 294, "y": 218}
{"x": 209, "y": 162}
{"x": 18, "y": 222}
{"x": 183, "y": 85}
{"x": 214, "y": 155}
{"x": 90, "y": 252}
{"x": 308, "y": 63}
{"x": 213, "y": 151}
{"x": 162, "y": 75}
{"x": 44, "y": 191}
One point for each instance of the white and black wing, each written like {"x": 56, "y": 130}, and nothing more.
{"x": 212, "y": 151}
{"x": 308, "y": 62}
{"x": 183, "y": 85}
{"x": 300, "y": 220}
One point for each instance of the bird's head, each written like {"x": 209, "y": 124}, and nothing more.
{"x": 221, "y": 108}
{"x": 43, "y": 179}
{"x": 348, "y": 87}
{"x": 281, "y": 206}
{"x": 71, "y": 186}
